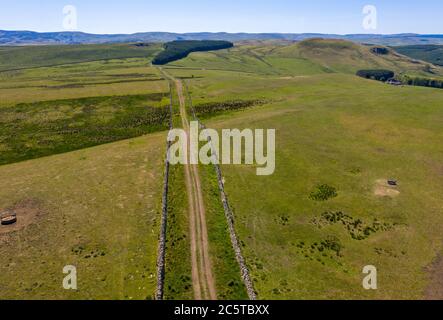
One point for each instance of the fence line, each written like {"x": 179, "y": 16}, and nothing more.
{"x": 164, "y": 216}
{"x": 228, "y": 214}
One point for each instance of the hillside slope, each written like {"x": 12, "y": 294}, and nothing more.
{"x": 313, "y": 56}
{"x": 348, "y": 57}
{"x": 429, "y": 53}
{"x": 13, "y": 58}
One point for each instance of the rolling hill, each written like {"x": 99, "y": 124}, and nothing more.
{"x": 14, "y": 58}
{"x": 429, "y": 53}
{"x": 32, "y": 38}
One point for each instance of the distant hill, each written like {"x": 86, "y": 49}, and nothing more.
{"x": 429, "y": 53}
{"x": 13, "y": 38}
{"x": 348, "y": 57}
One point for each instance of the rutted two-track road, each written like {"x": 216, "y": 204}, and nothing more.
{"x": 202, "y": 276}
{"x": 203, "y": 281}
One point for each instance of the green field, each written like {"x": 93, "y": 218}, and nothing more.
{"x": 32, "y": 130}
{"x": 99, "y": 208}
{"x": 24, "y": 57}
{"x": 96, "y": 208}
{"x": 335, "y": 129}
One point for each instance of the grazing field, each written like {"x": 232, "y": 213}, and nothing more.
{"x": 91, "y": 79}
{"x": 71, "y": 103}
{"x": 82, "y": 122}
{"x": 341, "y": 136}
{"x": 31, "y": 130}
{"x": 315, "y": 56}
{"x": 60, "y": 108}
{"x": 24, "y": 57}
{"x": 97, "y": 209}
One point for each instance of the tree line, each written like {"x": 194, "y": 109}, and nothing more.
{"x": 380, "y": 75}
{"x": 385, "y": 75}
{"x": 177, "y": 50}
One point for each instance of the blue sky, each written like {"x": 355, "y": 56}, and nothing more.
{"x": 291, "y": 16}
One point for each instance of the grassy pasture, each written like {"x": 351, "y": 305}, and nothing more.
{"x": 349, "y": 133}
{"x": 47, "y": 110}
{"x": 309, "y": 57}
{"x": 95, "y": 208}
{"x": 99, "y": 210}
{"x": 23, "y": 57}
{"x": 91, "y": 79}
{"x": 31, "y": 130}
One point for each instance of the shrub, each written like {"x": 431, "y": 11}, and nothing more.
{"x": 380, "y": 50}
{"x": 212, "y": 108}
{"x": 323, "y": 193}
{"x": 380, "y": 75}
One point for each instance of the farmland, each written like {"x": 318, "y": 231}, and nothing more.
{"x": 96, "y": 208}
{"x": 325, "y": 136}
{"x": 82, "y": 150}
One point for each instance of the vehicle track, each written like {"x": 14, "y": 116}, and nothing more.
{"x": 202, "y": 276}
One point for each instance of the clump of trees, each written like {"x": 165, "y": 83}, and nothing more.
{"x": 380, "y": 50}
{"x": 424, "y": 82}
{"x": 380, "y": 75}
{"x": 177, "y": 50}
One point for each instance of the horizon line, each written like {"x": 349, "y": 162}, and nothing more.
{"x": 224, "y": 32}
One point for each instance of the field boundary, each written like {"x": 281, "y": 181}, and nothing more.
{"x": 229, "y": 215}
{"x": 164, "y": 215}
{"x": 67, "y": 64}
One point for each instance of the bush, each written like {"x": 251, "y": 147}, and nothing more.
{"x": 380, "y": 75}
{"x": 212, "y": 108}
{"x": 177, "y": 50}
{"x": 323, "y": 193}
{"x": 380, "y": 50}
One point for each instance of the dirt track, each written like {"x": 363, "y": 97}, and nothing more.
{"x": 202, "y": 277}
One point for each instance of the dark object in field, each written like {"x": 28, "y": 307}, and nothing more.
{"x": 177, "y": 50}
{"x": 142, "y": 44}
{"x": 394, "y": 82}
{"x": 380, "y": 75}
{"x": 379, "y": 50}
{"x": 392, "y": 183}
{"x": 8, "y": 217}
